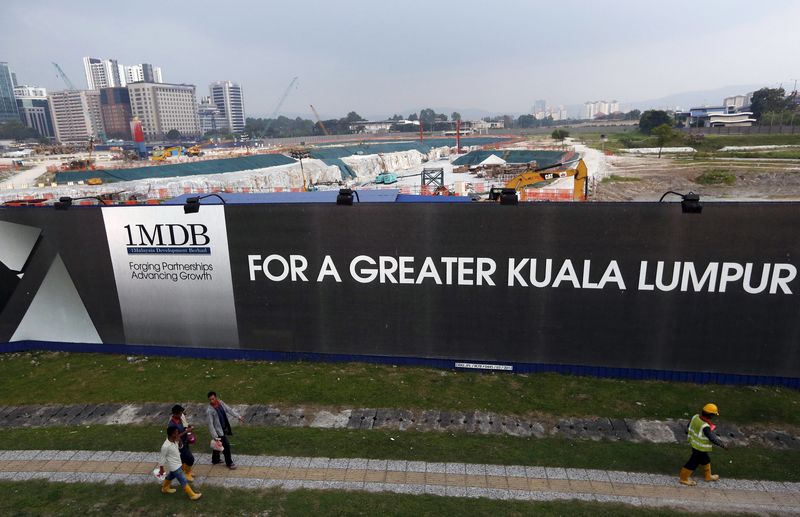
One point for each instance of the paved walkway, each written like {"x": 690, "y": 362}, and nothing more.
{"x": 478, "y": 422}
{"x": 412, "y": 477}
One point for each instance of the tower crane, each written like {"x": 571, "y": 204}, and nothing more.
{"x": 319, "y": 120}
{"x": 280, "y": 104}
{"x": 64, "y": 77}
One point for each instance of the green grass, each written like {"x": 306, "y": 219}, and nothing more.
{"x": 775, "y": 154}
{"x": 61, "y": 378}
{"x": 716, "y": 177}
{"x": 43, "y": 498}
{"x": 614, "y": 178}
{"x": 769, "y": 464}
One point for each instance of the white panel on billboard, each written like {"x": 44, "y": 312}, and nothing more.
{"x": 173, "y": 275}
{"x": 57, "y": 312}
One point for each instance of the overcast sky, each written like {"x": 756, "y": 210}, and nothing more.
{"x": 379, "y": 57}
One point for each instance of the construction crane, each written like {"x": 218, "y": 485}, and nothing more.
{"x": 319, "y": 120}
{"x": 64, "y": 77}
{"x": 280, "y": 104}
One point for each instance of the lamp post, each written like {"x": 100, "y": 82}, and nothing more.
{"x": 299, "y": 154}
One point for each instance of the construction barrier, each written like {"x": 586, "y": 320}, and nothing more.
{"x": 625, "y": 289}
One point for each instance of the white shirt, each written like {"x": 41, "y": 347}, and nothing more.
{"x": 170, "y": 456}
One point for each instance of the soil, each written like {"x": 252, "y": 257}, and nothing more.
{"x": 755, "y": 179}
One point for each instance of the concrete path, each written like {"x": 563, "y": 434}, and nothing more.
{"x": 412, "y": 477}
{"x": 477, "y": 422}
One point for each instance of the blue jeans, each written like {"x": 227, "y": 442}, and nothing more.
{"x": 177, "y": 474}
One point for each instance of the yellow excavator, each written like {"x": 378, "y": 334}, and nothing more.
{"x": 543, "y": 176}
{"x": 165, "y": 154}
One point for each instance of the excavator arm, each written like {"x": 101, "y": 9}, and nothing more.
{"x": 534, "y": 177}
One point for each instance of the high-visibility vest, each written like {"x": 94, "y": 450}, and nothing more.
{"x": 697, "y": 439}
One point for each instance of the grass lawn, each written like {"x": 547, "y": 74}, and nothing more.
{"x": 61, "y": 378}
{"x": 745, "y": 462}
{"x": 42, "y": 498}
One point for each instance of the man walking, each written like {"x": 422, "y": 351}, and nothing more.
{"x": 701, "y": 437}
{"x": 220, "y": 428}
{"x": 171, "y": 459}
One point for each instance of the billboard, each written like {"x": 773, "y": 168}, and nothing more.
{"x": 627, "y": 286}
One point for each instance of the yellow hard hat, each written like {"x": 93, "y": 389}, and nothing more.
{"x": 711, "y": 408}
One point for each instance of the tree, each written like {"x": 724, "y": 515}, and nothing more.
{"x": 353, "y": 117}
{"x": 396, "y": 117}
{"x": 663, "y": 133}
{"x": 427, "y": 117}
{"x": 633, "y": 115}
{"x": 173, "y": 134}
{"x": 455, "y": 116}
{"x": 16, "y": 130}
{"x": 413, "y": 116}
{"x": 559, "y": 134}
{"x": 653, "y": 118}
{"x": 526, "y": 121}
{"x": 769, "y": 99}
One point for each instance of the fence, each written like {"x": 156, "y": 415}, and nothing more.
{"x": 743, "y": 130}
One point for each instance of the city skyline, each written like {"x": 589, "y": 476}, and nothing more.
{"x": 376, "y": 59}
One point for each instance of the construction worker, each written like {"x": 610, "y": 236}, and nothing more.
{"x": 701, "y": 436}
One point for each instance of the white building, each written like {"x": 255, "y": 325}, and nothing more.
{"x": 76, "y": 115}
{"x": 143, "y": 72}
{"x": 102, "y": 73}
{"x": 594, "y": 109}
{"x": 162, "y": 107}
{"x": 211, "y": 118}
{"x": 738, "y": 102}
{"x": 30, "y": 91}
{"x": 228, "y": 98}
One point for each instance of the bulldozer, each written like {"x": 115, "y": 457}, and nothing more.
{"x": 545, "y": 175}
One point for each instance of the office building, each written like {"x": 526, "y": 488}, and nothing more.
{"x": 228, "y": 98}
{"x": 102, "y": 73}
{"x": 115, "y": 107}
{"x": 34, "y": 109}
{"x": 211, "y": 118}
{"x": 162, "y": 107}
{"x": 8, "y": 104}
{"x": 143, "y": 72}
{"x": 76, "y": 115}
{"x": 594, "y": 109}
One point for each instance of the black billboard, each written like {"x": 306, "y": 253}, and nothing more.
{"x": 618, "y": 286}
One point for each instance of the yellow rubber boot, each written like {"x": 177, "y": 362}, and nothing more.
{"x": 187, "y": 472}
{"x": 192, "y": 495}
{"x": 685, "y": 477}
{"x": 708, "y": 475}
{"x": 165, "y": 488}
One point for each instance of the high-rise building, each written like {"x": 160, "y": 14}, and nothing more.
{"x": 211, "y": 118}
{"x": 8, "y": 104}
{"x": 76, "y": 115}
{"x": 102, "y": 73}
{"x": 34, "y": 109}
{"x": 14, "y": 79}
{"x": 593, "y": 109}
{"x": 143, "y": 72}
{"x": 228, "y": 98}
{"x": 162, "y": 107}
{"x": 115, "y": 106}
{"x": 540, "y": 109}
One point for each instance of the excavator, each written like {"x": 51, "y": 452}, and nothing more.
{"x": 197, "y": 150}
{"x": 544, "y": 175}
{"x": 163, "y": 155}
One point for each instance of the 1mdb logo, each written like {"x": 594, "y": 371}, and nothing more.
{"x": 181, "y": 239}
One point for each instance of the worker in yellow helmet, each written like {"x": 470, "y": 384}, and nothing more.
{"x": 701, "y": 436}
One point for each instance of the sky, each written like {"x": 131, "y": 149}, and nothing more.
{"x": 379, "y": 58}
